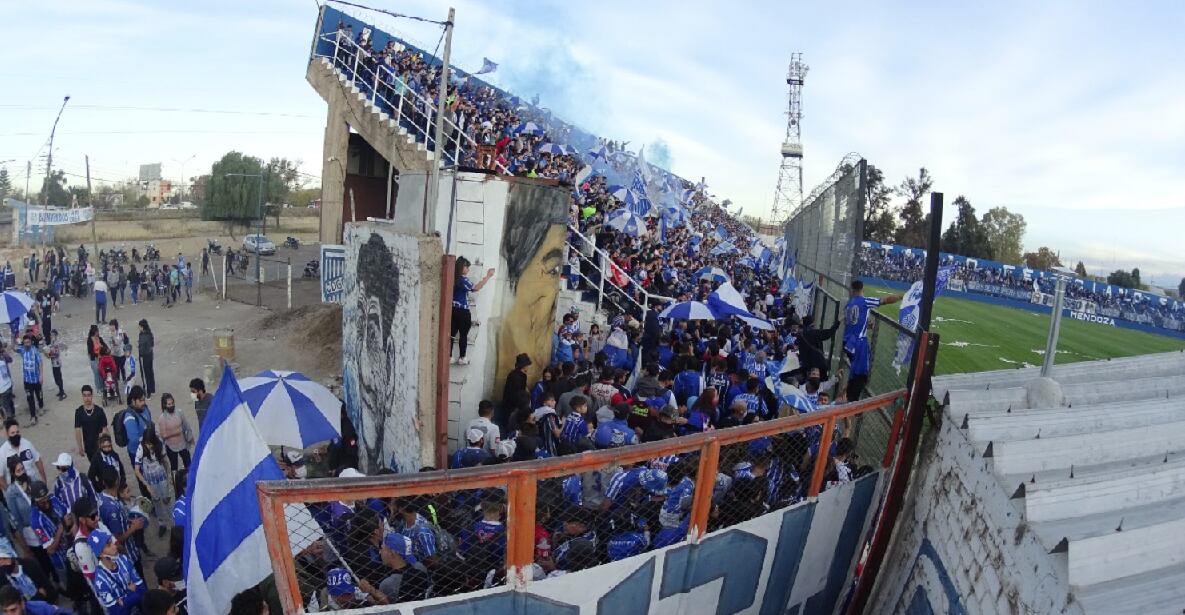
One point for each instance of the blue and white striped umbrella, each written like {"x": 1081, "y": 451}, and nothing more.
{"x": 553, "y": 149}
{"x": 712, "y": 274}
{"x": 15, "y": 303}
{"x": 627, "y": 222}
{"x": 597, "y": 152}
{"x": 529, "y": 128}
{"x": 688, "y": 310}
{"x": 292, "y": 410}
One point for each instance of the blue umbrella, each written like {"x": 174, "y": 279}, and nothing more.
{"x": 290, "y": 409}
{"x": 529, "y": 128}
{"x": 712, "y": 274}
{"x": 688, "y": 310}
{"x": 15, "y": 304}
{"x": 553, "y": 149}
{"x": 627, "y": 222}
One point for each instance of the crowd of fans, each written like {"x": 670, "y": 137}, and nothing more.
{"x": 1141, "y": 307}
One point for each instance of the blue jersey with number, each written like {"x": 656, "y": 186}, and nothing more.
{"x": 856, "y": 318}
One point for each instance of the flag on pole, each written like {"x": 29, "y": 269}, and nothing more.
{"x": 225, "y": 548}
{"x": 909, "y": 314}
{"x": 487, "y": 67}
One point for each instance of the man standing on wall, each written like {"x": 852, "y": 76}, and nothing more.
{"x": 855, "y": 336}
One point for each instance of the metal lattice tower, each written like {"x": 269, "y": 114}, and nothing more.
{"x": 788, "y": 195}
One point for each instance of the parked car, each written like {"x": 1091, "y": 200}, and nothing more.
{"x": 258, "y": 244}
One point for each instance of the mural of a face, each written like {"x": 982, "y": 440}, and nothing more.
{"x": 380, "y": 343}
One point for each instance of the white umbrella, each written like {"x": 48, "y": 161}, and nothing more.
{"x": 290, "y": 409}
{"x": 14, "y": 304}
{"x": 688, "y": 310}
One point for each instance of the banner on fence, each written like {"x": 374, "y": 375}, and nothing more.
{"x": 911, "y": 312}
{"x": 41, "y": 216}
{"x": 333, "y": 273}
{"x": 1088, "y": 317}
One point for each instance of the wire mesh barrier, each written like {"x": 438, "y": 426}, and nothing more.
{"x": 825, "y": 233}
{"x": 399, "y": 538}
{"x": 258, "y": 280}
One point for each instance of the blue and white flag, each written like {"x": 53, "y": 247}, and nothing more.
{"x": 662, "y": 230}
{"x": 225, "y": 549}
{"x": 727, "y": 301}
{"x": 911, "y": 312}
{"x": 640, "y": 202}
{"x": 487, "y": 67}
{"x": 721, "y": 232}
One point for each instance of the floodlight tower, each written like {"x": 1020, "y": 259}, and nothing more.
{"x": 788, "y": 196}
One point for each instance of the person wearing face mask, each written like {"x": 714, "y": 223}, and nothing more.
{"x": 813, "y": 386}
{"x": 16, "y": 447}
{"x": 70, "y": 485}
{"x": 52, "y": 533}
{"x": 119, "y": 586}
{"x": 174, "y": 431}
{"x": 152, "y": 471}
{"x": 20, "y": 504}
{"x": 201, "y": 399}
{"x": 105, "y": 457}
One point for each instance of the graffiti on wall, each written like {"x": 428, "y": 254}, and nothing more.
{"x": 798, "y": 560}
{"x": 533, "y": 249}
{"x": 380, "y": 343}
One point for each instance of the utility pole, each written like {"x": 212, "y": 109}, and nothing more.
{"x": 49, "y": 160}
{"x": 438, "y": 131}
{"x": 90, "y": 202}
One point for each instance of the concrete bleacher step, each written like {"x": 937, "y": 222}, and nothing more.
{"x": 1038, "y": 454}
{"x": 1013, "y": 400}
{"x": 1024, "y": 424}
{"x": 1159, "y": 592}
{"x": 1104, "y": 492}
{"x": 1150, "y": 538}
{"x": 1125, "y": 368}
{"x": 1145, "y": 463}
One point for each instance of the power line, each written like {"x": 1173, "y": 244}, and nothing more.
{"x": 162, "y": 109}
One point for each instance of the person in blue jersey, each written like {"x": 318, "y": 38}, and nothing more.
{"x": 689, "y": 382}
{"x": 13, "y": 602}
{"x": 474, "y": 454}
{"x": 675, "y": 513}
{"x": 51, "y": 533}
{"x": 116, "y": 519}
{"x": 575, "y": 427}
{"x": 486, "y": 538}
{"x": 70, "y": 485}
{"x": 575, "y": 546}
{"x": 118, "y": 585}
{"x": 855, "y": 336}
{"x": 547, "y": 422}
{"x": 627, "y": 538}
{"x": 645, "y": 484}
{"x": 462, "y": 319}
{"x": 752, "y": 400}
{"x": 181, "y": 504}
{"x": 413, "y": 525}
{"x": 616, "y": 432}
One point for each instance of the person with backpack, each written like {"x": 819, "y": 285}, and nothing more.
{"x": 130, "y": 425}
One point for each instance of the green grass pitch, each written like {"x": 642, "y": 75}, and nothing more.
{"x": 980, "y": 336}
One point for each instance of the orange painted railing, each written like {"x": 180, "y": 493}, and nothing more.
{"x": 521, "y": 479}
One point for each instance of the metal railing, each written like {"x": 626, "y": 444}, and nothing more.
{"x": 601, "y": 263}
{"x": 403, "y": 104}
{"x": 518, "y": 500}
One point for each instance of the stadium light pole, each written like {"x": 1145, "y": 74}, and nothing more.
{"x": 1055, "y": 327}
{"x": 259, "y": 210}
{"x": 438, "y": 130}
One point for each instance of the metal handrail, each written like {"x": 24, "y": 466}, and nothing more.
{"x": 393, "y": 80}
{"x": 605, "y": 258}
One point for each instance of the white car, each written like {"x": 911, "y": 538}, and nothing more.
{"x": 258, "y": 244}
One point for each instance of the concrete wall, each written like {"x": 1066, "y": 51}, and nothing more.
{"x": 961, "y": 546}
{"x": 797, "y": 560}
{"x": 390, "y": 323}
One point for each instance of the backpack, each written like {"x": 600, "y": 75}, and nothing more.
{"x": 119, "y": 431}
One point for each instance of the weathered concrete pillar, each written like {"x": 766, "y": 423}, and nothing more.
{"x": 333, "y": 176}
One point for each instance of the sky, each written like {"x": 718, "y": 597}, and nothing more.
{"x": 1070, "y": 113}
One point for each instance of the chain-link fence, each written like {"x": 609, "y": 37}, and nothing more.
{"x": 825, "y": 233}
{"x": 264, "y": 281}
{"x": 395, "y": 539}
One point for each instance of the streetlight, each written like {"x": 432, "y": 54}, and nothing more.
{"x": 263, "y": 222}
{"x": 181, "y": 187}
{"x": 49, "y": 161}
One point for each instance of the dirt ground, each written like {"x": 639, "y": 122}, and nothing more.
{"x": 306, "y": 339}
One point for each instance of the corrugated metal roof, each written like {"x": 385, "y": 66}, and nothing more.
{"x": 1099, "y": 480}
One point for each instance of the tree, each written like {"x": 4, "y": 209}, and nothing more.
{"x": 914, "y": 227}
{"x": 141, "y": 202}
{"x": 966, "y": 235}
{"x": 53, "y": 189}
{"x": 1120, "y": 277}
{"x": 1005, "y": 234}
{"x": 5, "y": 183}
{"x": 197, "y": 193}
{"x": 1080, "y": 270}
{"x": 879, "y": 222}
{"x": 303, "y": 196}
{"x": 233, "y": 197}
{"x": 1136, "y": 278}
{"x": 1043, "y": 258}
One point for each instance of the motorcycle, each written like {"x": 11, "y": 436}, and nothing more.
{"x": 292, "y": 242}
{"x": 151, "y": 253}
{"x": 213, "y": 246}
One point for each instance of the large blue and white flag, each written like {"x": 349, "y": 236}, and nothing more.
{"x": 727, "y": 301}
{"x": 487, "y": 67}
{"x": 911, "y": 312}
{"x": 636, "y": 198}
{"x": 225, "y": 549}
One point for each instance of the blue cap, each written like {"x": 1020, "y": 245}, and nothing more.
{"x": 401, "y": 545}
{"x": 654, "y": 481}
{"x": 340, "y": 582}
{"x": 97, "y": 540}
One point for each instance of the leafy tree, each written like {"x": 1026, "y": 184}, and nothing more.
{"x": 53, "y": 189}
{"x": 879, "y": 222}
{"x": 141, "y": 202}
{"x": 302, "y": 196}
{"x": 966, "y": 235}
{"x": 1005, "y": 234}
{"x": 230, "y": 196}
{"x": 1043, "y": 258}
{"x": 1120, "y": 277}
{"x": 197, "y": 193}
{"x": 914, "y": 227}
{"x": 5, "y": 183}
{"x": 1136, "y": 278}
{"x": 1080, "y": 269}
